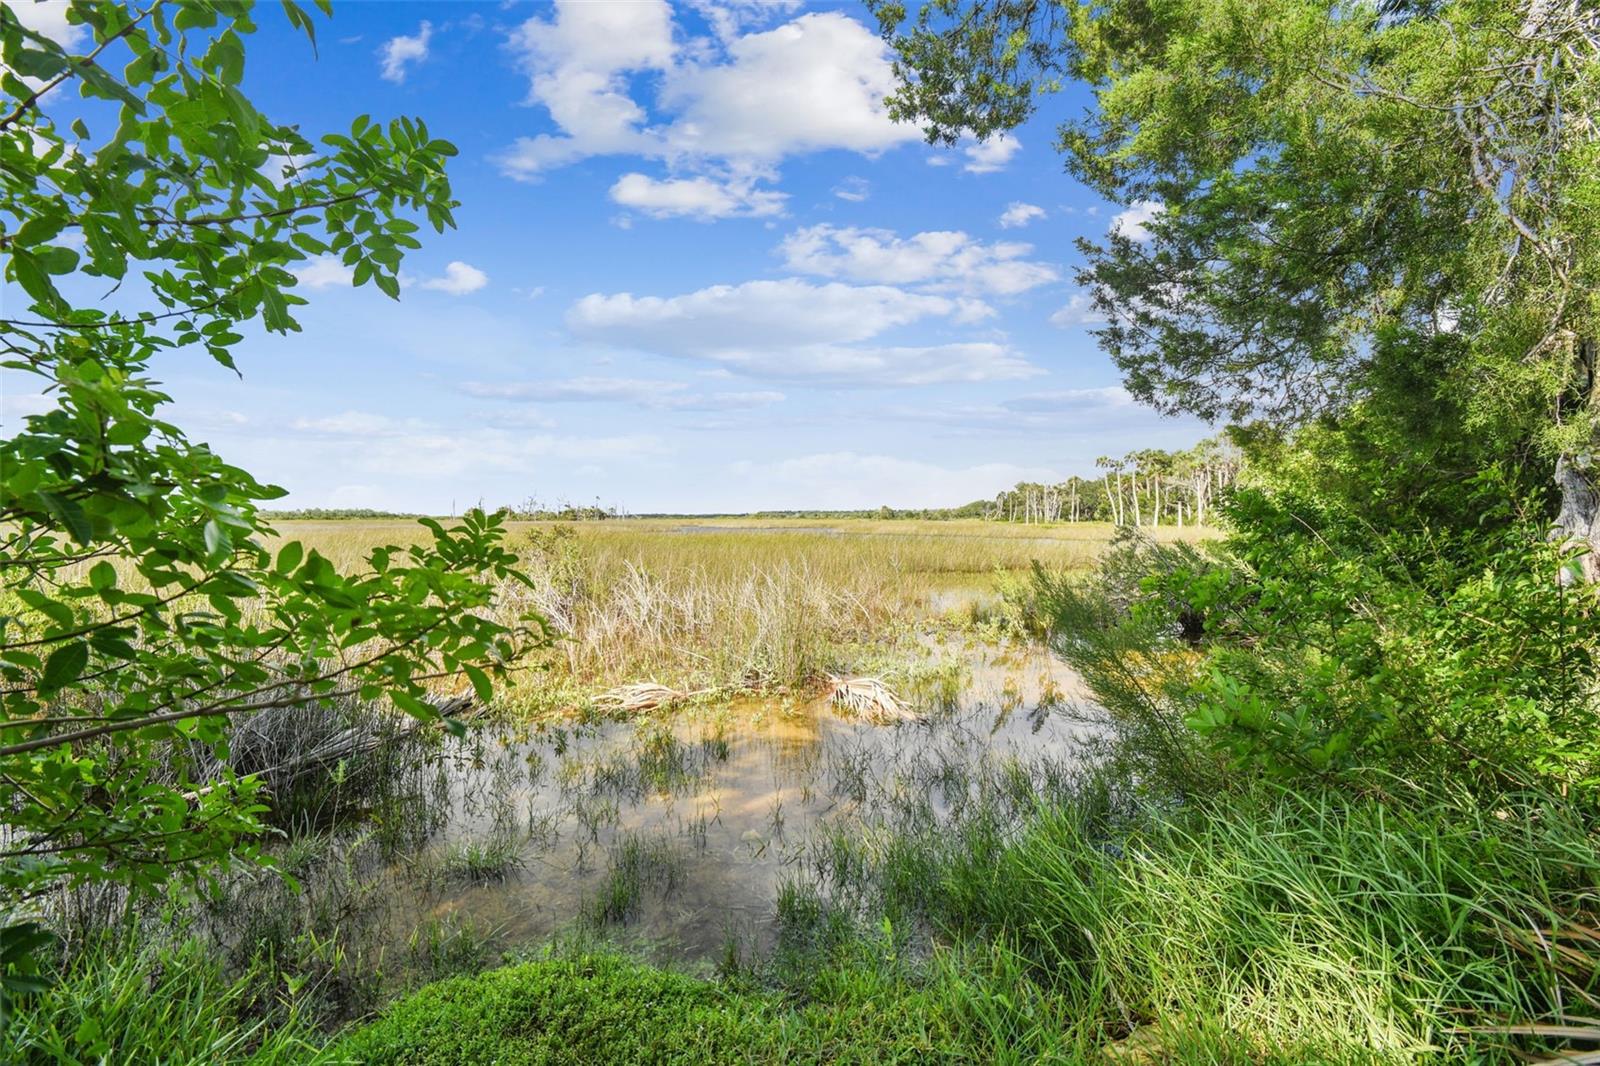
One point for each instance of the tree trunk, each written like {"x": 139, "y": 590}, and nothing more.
{"x": 1579, "y": 518}
{"x": 1578, "y": 476}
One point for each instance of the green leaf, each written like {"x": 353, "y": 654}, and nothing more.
{"x": 216, "y": 538}
{"x": 480, "y": 683}
{"x": 69, "y": 513}
{"x": 102, "y": 576}
{"x": 63, "y": 666}
{"x": 34, "y": 278}
{"x": 289, "y": 557}
{"x": 56, "y": 260}
{"x": 412, "y": 705}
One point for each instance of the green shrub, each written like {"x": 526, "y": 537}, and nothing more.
{"x": 1312, "y": 648}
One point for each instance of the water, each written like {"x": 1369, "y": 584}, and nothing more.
{"x": 676, "y": 833}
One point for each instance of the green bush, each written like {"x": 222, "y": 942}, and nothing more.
{"x": 1310, "y": 647}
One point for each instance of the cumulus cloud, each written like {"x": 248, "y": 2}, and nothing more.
{"x": 700, "y": 198}
{"x": 796, "y": 330}
{"x": 1019, "y": 214}
{"x": 577, "y": 64}
{"x": 323, "y": 271}
{"x": 458, "y": 279}
{"x": 728, "y": 18}
{"x": 731, "y": 109}
{"x": 1079, "y": 310}
{"x": 947, "y": 259}
{"x": 986, "y": 157}
{"x": 399, "y": 53}
{"x": 1133, "y": 223}
{"x": 812, "y": 84}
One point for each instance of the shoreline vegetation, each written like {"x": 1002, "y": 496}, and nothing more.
{"x": 1053, "y": 913}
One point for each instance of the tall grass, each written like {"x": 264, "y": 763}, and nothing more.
{"x": 121, "y": 1003}
{"x": 1273, "y": 927}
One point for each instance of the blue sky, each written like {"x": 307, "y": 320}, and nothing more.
{"x": 696, "y": 269}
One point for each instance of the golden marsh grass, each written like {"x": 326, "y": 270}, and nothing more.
{"x": 745, "y": 604}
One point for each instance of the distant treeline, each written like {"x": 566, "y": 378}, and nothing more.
{"x": 1148, "y": 487}
{"x": 326, "y": 514}
{"x": 533, "y": 510}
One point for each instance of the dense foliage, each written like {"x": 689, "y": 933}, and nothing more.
{"x": 144, "y": 599}
{"x": 1335, "y": 191}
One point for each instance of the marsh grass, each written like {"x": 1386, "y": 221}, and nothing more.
{"x": 637, "y": 865}
{"x": 1278, "y": 928}
{"x": 742, "y": 605}
{"x": 478, "y": 860}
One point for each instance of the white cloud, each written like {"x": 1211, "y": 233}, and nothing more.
{"x": 946, "y": 259}
{"x": 731, "y": 110}
{"x": 728, "y": 17}
{"x": 50, "y": 20}
{"x": 281, "y": 170}
{"x": 700, "y": 198}
{"x": 789, "y": 312}
{"x": 584, "y": 389}
{"x": 723, "y": 401}
{"x": 356, "y": 424}
{"x": 1079, "y": 310}
{"x": 795, "y": 330}
{"x": 813, "y": 84}
{"x": 986, "y": 157}
{"x": 459, "y": 279}
{"x": 47, "y": 19}
{"x": 1134, "y": 222}
{"x": 1018, "y": 214}
{"x": 400, "y": 52}
{"x": 15, "y": 405}
{"x": 1074, "y": 401}
{"x": 849, "y": 480}
{"x": 1062, "y": 411}
{"x": 323, "y": 271}
{"x": 393, "y": 449}
{"x": 650, "y": 393}
{"x": 577, "y": 64}
{"x": 853, "y": 189}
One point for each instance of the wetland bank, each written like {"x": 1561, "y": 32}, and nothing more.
{"x": 676, "y": 827}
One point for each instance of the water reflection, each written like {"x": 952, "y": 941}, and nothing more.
{"x": 678, "y": 833}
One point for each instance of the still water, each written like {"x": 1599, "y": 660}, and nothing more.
{"x": 676, "y": 833}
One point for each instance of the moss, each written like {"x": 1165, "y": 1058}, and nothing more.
{"x": 608, "y": 1009}
{"x": 588, "y": 1010}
